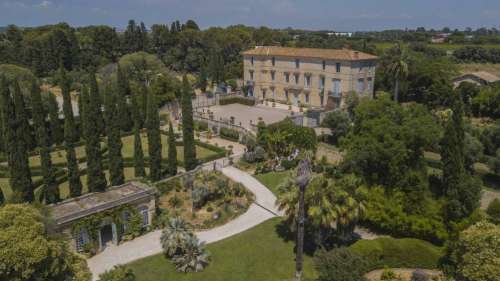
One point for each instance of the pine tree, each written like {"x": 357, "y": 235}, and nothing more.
{"x": 460, "y": 188}
{"x": 190, "y": 161}
{"x": 115, "y": 158}
{"x": 172, "y": 152}
{"x": 123, "y": 93}
{"x": 154, "y": 138}
{"x": 21, "y": 183}
{"x": 96, "y": 180}
{"x": 56, "y": 130}
{"x": 139, "y": 170}
{"x": 50, "y": 186}
{"x": 75, "y": 184}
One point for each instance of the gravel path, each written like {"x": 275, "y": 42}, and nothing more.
{"x": 147, "y": 245}
{"x": 487, "y": 197}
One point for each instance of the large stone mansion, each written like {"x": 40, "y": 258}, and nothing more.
{"x": 311, "y": 77}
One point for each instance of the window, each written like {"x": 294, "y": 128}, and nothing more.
{"x": 144, "y": 213}
{"x": 338, "y": 66}
{"x": 321, "y": 100}
{"x": 336, "y": 86}
{"x": 273, "y": 93}
{"x": 251, "y": 74}
{"x": 307, "y": 98}
{"x": 286, "y": 95}
{"x": 360, "y": 85}
{"x": 272, "y": 75}
{"x": 264, "y": 94}
{"x": 324, "y": 65}
{"x": 251, "y": 60}
{"x": 322, "y": 82}
{"x": 370, "y": 84}
{"x": 81, "y": 239}
{"x": 296, "y": 78}
{"x": 126, "y": 218}
{"x": 287, "y": 77}
{"x": 273, "y": 61}
{"x": 297, "y": 63}
{"x": 307, "y": 81}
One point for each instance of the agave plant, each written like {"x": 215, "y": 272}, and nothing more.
{"x": 194, "y": 258}
{"x": 174, "y": 236}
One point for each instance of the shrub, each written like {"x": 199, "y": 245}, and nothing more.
{"x": 175, "y": 202}
{"x": 260, "y": 154}
{"x": 398, "y": 253}
{"x": 118, "y": 273}
{"x": 339, "y": 265}
{"x": 240, "y": 100}
{"x": 289, "y": 164}
{"x": 194, "y": 257}
{"x": 199, "y": 196}
{"x": 494, "y": 210}
{"x": 229, "y": 134}
{"x": 201, "y": 126}
{"x": 389, "y": 275}
{"x": 174, "y": 235}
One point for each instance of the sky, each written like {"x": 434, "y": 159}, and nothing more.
{"x": 339, "y": 15}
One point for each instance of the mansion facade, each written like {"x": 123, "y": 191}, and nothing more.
{"x": 318, "y": 78}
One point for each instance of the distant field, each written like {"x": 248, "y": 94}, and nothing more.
{"x": 448, "y": 47}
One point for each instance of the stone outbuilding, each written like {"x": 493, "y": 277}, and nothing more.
{"x": 481, "y": 78}
{"x": 96, "y": 220}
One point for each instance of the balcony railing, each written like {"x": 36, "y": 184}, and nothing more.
{"x": 334, "y": 94}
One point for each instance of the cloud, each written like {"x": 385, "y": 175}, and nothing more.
{"x": 44, "y": 4}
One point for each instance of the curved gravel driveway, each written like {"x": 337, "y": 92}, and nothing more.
{"x": 262, "y": 209}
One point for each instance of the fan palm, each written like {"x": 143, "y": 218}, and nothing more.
{"x": 194, "y": 257}
{"x": 398, "y": 69}
{"x": 174, "y": 236}
{"x": 288, "y": 199}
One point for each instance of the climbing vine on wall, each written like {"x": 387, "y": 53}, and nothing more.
{"x": 92, "y": 224}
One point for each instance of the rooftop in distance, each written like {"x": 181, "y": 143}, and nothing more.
{"x": 331, "y": 54}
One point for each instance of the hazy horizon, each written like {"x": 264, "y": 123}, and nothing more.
{"x": 340, "y": 15}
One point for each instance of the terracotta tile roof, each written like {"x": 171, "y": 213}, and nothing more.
{"x": 333, "y": 54}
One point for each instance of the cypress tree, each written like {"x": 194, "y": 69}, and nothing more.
{"x": 8, "y": 122}
{"x": 142, "y": 102}
{"x": 188, "y": 126}
{"x": 172, "y": 152}
{"x": 21, "y": 183}
{"x": 75, "y": 184}
{"x": 56, "y": 130}
{"x": 460, "y": 188}
{"x": 50, "y": 186}
{"x": 203, "y": 78}
{"x": 154, "y": 138}
{"x": 96, "y": 180}
{"x": 115, "y": 158}
{"x": 123, "y": 93}
{"x": 139, "y": 170}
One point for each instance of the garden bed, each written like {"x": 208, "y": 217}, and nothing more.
{"x": 210, "y": 200}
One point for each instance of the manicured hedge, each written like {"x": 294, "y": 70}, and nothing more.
{"x": 240, "y": 100}
{"x": 398, "y": 253}
{"x": 201, "y": 126}
{"x": 229, "y": 134}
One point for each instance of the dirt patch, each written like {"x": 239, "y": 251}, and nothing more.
{"x": 487, "y": 197}
{"x": 333, "y": 154}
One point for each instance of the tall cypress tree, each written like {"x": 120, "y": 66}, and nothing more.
{"x": 172, "y": 152}
{"x": 139, "y": 170}
{"x": 75, "y": 184}
{"x": 21, "y": 183}
{"x": 50, "y": 186}
{"x": 123, "y": 93}
{"x": 96, "y": 180}
{"x": 154, "y": 138}
{"x": 461, "y": 189}
{"x": 190, "y": 161}
{"x": 56, "y": 130}
{"x": 115, "y": 158}
{"x": 8, "y": 129}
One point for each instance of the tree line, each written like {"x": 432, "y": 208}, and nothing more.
{"x": 107, "y": 111}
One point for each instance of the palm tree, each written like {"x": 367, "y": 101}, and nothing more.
{"x": 398, "y": 69}
{"x": 194, "y": 258}
{"x": 288, "y": 200}
{"x": 174, "y": 236}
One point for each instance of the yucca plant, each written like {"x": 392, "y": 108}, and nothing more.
{"x": 174, "y": 236}
{"x": 194, "y": 257}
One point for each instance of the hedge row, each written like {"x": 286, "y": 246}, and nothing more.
{"x": 240, "y": 100}
{"x": 201, "y": 126}
{"x": 398, "y": 253}
{"x": 229, "y": 134}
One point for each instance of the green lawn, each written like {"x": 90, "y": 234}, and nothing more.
{"x": 58, "y": 157}
{"x": 254, "y": 255}
{"x": 273, "y": 179}
{"x": 128, "y": 148}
